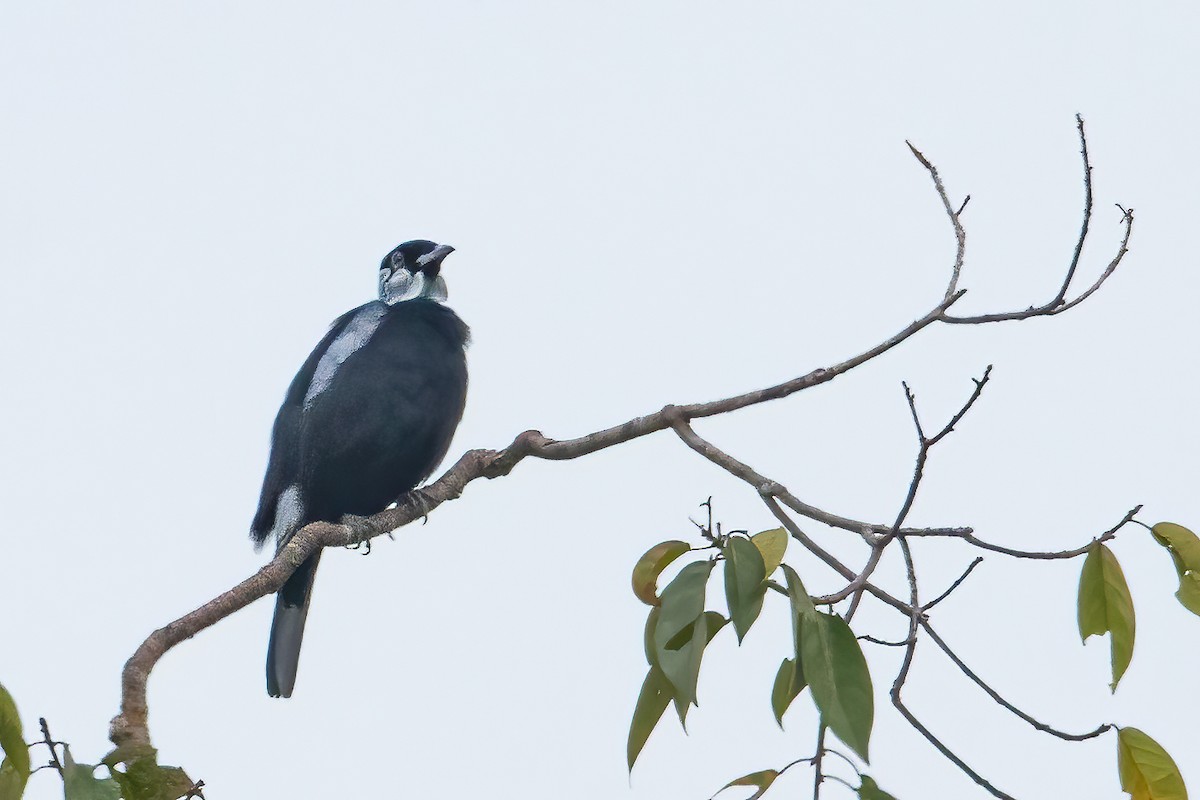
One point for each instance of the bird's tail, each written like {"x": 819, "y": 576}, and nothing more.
{"x": 287, "y": 629}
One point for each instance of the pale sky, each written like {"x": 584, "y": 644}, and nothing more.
{"x": 651, "y": 202}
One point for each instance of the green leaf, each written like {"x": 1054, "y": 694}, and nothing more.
{"x": 1105, "y": 606}
{"x": 1184, "y": 548}
{"x": 143, "y": 778}
{"x": 1182, "y": 543}
{"x": 801, "y": 603}
{"x": 12, "y": 781}
{"x": 789, "y": 682}
{"x": 762, "y": 780}
{"x": 1147, "y": 772}
{"x": 1189, "y": 592}
{"x": 713, "y": 622}
{"x": 841, "y": 684}
{"x": 651, "y": 703}
{"x": 745, "y": 583}
{"x": 682, "y": 668}
{"x": 683, "y": 609}
{"x": 772, "y": 545}
{"x": 682, "y": 601}
{"x": 869, "y": 790}
{"x": 650, "y": 566}
{"x": 12, "y": 735}
{"x": 648, "y": 636}
{"x": 80, "y": 782}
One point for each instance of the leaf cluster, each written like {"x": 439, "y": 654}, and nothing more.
{"x": 133, "y": 776}
{"x": 825, "y": 653}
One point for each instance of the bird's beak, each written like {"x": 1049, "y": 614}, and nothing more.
{"x": 432, "y": 261}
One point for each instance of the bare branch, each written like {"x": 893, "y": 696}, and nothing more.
{"x": 902, "y": 678}
{"x": 960, "y": 235}
{"x": 978, "y": 560}
{"x": 962, "y": 412}
{"x": 821, "y": 553}
{"x": 855, "y": 586}
{"x": 927, "y": 443}
{"x": 883, "y": 642}
{"x": 1087, "y": 214}
{"x": 130, "y": 727}
{"x": 992, "y": 693}
{"x": 51, "y": 745}
{"x": 1058, "y": 304}
{"x": 130, "y": 730}
{"x": 971, "y": 539}
{"x": 933, "y": 740}
{"x": 539, "y": 446}
{"x": 746, "y": 473}
{"x": 818, "y": 775}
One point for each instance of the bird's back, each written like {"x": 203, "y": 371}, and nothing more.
{"x": 365, "y": 421}
{"x": 386, "y": 420}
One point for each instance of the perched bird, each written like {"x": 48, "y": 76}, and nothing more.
{"x": 367, "y": 418}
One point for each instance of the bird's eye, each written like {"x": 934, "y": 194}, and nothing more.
{"x": 398, "y": 261}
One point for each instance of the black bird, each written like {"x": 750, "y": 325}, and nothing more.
{"x": 367, "y": 418}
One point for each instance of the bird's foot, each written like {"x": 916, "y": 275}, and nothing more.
{"x": 363, "y": 527}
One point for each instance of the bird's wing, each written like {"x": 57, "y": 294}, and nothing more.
{"x": 386, "y": 420}
{"x": 282, "y": 466}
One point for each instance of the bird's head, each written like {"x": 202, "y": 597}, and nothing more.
{"x": 411, "y": 271}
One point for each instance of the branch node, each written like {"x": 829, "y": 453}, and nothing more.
{"x": 770, "y": 489}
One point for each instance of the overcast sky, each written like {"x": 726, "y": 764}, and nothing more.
{"x": 652, "y": 202}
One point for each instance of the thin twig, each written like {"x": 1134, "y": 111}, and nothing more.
{"x": 884, "y": 642}
{"x": 962, "y": 412}
{"x": 748, "y": 474}
{"x": 51, "y": 745}
{"x": 960, "y": 235}
{"x": 818, "y": 776}
{"x": 902, "y": 678}
{"x": 971, "y": 539}
{"x": 855, "y": 586}
{"x": 1058, "y": 304}
{"x": 928, "y": 442}
{"x": 970, "y": 568}
{"x": 821, "y": 553}
{"x": 835, "y": 752}
{"x": 843, "y": 782}
{"x": 1087, "y": 214}
{"x": 992, "y": 693}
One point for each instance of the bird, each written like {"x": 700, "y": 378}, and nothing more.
{"x": 368, "y": 417}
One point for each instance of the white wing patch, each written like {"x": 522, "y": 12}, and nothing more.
{"x": 348, "y": 342}
{"x": 289, "y": 510}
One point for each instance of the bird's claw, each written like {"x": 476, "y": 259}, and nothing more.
{"x": 365, "y": 527}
